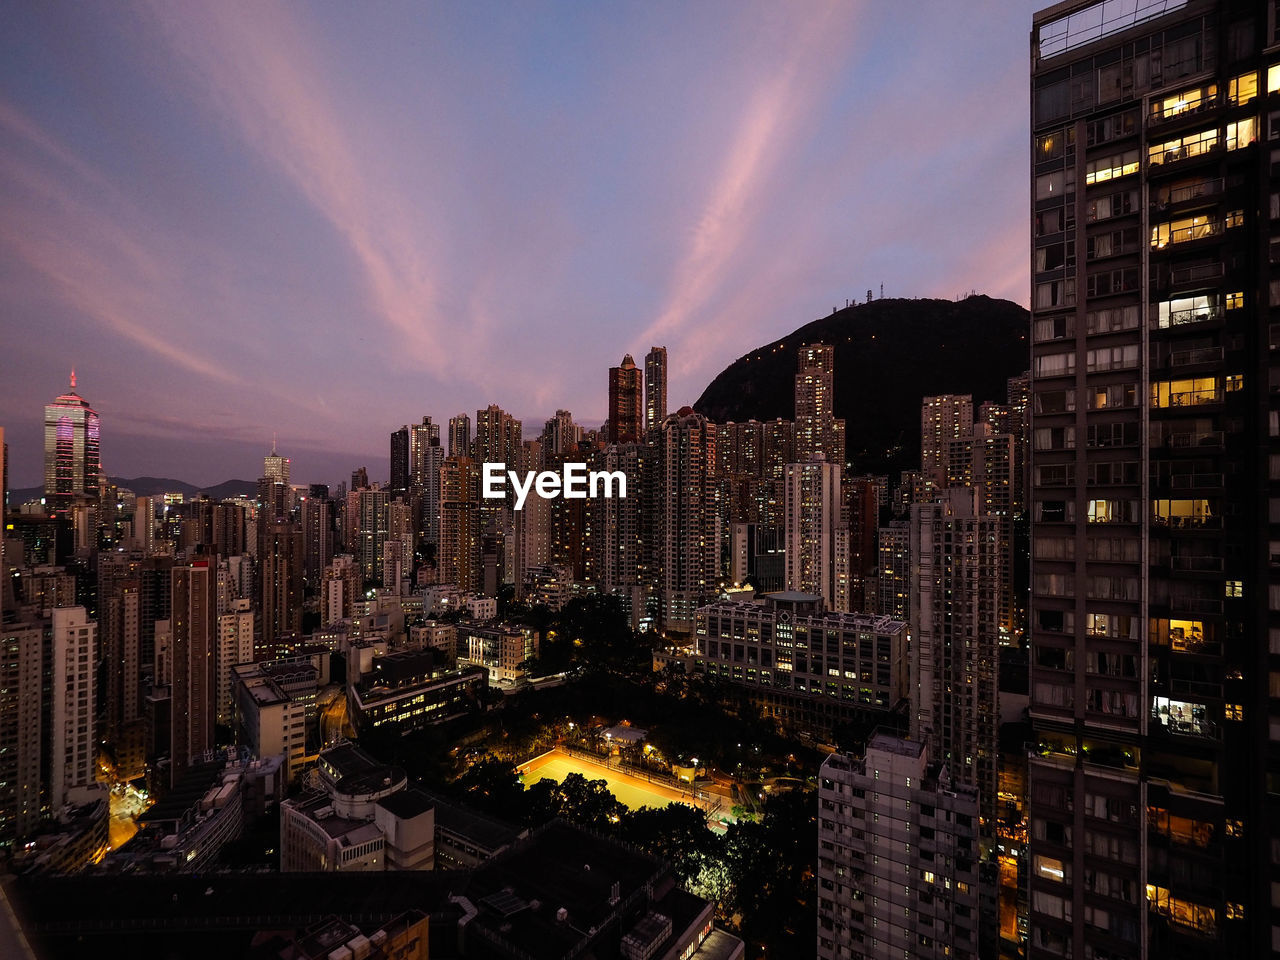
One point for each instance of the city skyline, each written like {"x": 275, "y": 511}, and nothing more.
{"x": 249, "y": 231}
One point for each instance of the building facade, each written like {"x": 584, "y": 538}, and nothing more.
{"x": 1155, "y": 785}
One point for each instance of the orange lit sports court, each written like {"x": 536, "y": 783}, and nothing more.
{"x": 632, "y": 792}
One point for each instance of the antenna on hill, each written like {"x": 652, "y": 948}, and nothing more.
{"x": 882, "y": 291}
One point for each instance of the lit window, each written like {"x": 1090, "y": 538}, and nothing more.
{"x": 1243, "y": 88}
{"x": 1234, "y": 589}
{"x": 1234, "y": 711}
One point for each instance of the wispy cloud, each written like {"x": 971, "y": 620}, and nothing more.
{"x": 263, "y": 75}
{"x": 783, "y": 101}
{"x": 88, "y": 258}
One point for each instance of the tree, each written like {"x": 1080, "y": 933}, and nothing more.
{"x": 493, "y": 785}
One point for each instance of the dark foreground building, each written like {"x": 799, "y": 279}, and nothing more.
{"x": 1155, "y": 608}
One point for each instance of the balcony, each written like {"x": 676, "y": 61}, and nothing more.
{"x": 1185, "y": 234}
{"x": 1194, "y": 398}
{"x": 1200, "y": 440}
{"x": 1168, "y": 198}
{"x": 1188, "y": 358}
{"x": 1196, "y": 481}
{"x": 1178, "y": 318}
{"x": 1197, "y": 273}
{"x": 1197, "y": 564}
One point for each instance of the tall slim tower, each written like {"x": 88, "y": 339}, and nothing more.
{"x": 689, "y": 530}
{"x": 460, "y": 436}
{"x": 955, "y": 632}
{"x": 817, "y": 429}
{"x": 655, "y": 388}
{"x": 73, "y": 740}
{"x": 72, "y": 466}
{"x": 1154, "y": 797}
{"x": 400, "y": 462}
{"x": 625, "y": 406}
{"x": 817, "y": 539}
{"x": 193, "y": 650}
{"x": 459, "y": 557}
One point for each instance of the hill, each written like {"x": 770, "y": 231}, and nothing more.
{"x": 152, "y": 486}
{"x": 888, "y": 355}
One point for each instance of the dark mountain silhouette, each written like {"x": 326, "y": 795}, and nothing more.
{"x": 888, "y": 355}
{"x": 152, "y": 486}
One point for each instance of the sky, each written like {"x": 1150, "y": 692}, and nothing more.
{"x": 321, "y": 221}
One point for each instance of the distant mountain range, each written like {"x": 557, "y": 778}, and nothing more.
{"x": 888, "y": 355}
{"x": 152, "y": 486}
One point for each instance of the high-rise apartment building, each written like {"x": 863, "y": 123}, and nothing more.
{"x": 235, "y": 645}
{"x": 816, "y": 428}
{"x": 615, "y": 559}
{"x": 688, "y": 533}
{"x": 459, "y": 556}
{"x": 626, "y": 411}
{"x": 280, "y": 582}
{"x": 399, "y": 484}
{"x": 943, "y": 419}
{"x": 893, "y": 574}
{"x": 897, "y": 857}
{"x": 21, "y": 700}
{"x": 460, "y": 436}
{"x": 955, "y": 637}
{"x": 425, "y": 458}
{"x": 655, "y": 388}
{"x": 73, "y": 740}
{"x": 817, "y": 539}
{"x": 72, "y": 465}
{"x": 371, "y": 532}
{"x": 317, "y": 537}
{"x": 1155, "y": 785}
{"x": 193, "y": 667}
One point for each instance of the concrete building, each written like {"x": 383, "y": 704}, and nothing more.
{"x": 816, "y": 536}
{"x": 897, "y": 857}
{"x": 72, "y": 742}
{"x": 955, "y": 635}
{"x": 235, "y": 645}
{"x": 1155, "y": 592}
{"x": 810, "y": 668}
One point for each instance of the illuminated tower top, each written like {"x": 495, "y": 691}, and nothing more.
{"x": 72, "y": 465}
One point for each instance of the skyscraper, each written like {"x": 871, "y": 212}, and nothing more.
{"x": 193, "y": 650}
{"x": 400, "y": 462}
{"x": 72, "y": 741}
{"x": 625, "y": 403}
{"x": 425, "y": 458}
{"x": 1154, "y": 797}
{"x": 943, "y": 419}
{"x": 689, "y": 528}
{"x": 817, "y": 540}
{"x": 817, "y": 429}
{"x": 71, "y": 456}
{"x": 460, "y": 436}
{"x": 955, "y": 633}
{"x": 655, "y": 388}
{"x": 459, "y": 556}
{"x": 897, "y": 857}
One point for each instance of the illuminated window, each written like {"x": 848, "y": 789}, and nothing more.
{"x": 1181, "y": 148}
{"x": 1235, "y": 382}
{"x": 1195, "y": 227}
{"x": 1243, "y": 88}
{"x": 1234, "y": 711}
{"x": 1190, "y": 392}
{"x": 1235, "y": 828}
{"x": 1235, "y": 911}
{"x": 1273, "y": 78}
{"x": 1050, "y": 868}
{"x": 1185, "y": 101}
{"x": 1192, "y": 309}
{"x": 1242, "y": 133}
{"x": 1234, "y": 589}
{"x": 1108, "y": 168}
{"x": 1235, "y": 301}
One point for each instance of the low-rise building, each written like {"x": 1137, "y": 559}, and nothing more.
{"x": 502, "y": 649}
{"x": 414, "y": 689}
{"x": 809, "y": 667}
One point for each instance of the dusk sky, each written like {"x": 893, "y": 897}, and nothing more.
{"x": 325, "y": 220}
